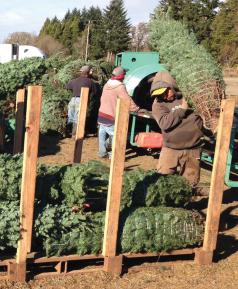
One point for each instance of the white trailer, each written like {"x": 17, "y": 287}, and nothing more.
{"x": 10, "y": 52}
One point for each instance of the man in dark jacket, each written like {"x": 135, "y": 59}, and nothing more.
{"x": 181, "y": 129}
{"x": 84, "y": 80}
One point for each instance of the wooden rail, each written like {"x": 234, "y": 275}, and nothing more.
{"x": 81, "y": 125}
{"x": 33, "y": 113}
{"x": 205, "y": 255}
{"x": 20, "y": 121}
{"x": 113, "y": 263}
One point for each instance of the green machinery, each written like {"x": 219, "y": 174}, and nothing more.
{"x": 141, "y": 67}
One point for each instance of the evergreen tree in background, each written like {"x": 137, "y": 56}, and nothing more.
{"x": 67, "y": 36}
{"x": 45, "y": 30}
{"x": 225, "y": 33}
{"x": 196, "y": 15}
{"x": 116, "y": 27}
{"x": 108, "y": 32}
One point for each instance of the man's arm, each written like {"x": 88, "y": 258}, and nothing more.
{"x": 69, "y": 85}
{"x": 167, "y": 119}
{"x": 123, "y": 94}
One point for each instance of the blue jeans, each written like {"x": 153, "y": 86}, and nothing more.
{"x": 104, "y": 133}
{"x": 73, "y": 110}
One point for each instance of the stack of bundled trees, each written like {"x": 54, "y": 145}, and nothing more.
{"x": 151, "y": 217}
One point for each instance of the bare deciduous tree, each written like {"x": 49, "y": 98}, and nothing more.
{"x": 23, "y": 38}
{"x": 49, "y": 45}
{"x": 139, "y": 36}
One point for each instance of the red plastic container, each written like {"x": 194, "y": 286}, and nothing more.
{"x": 149, "y": 140}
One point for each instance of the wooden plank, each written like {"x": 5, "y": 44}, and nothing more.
{"x": 73, "y": 272}
{"x": 218, "y": 174}
{"x": 113, "y": 264}
{"x": 81, "y": 124}
{"x": 20, "y": 121}
{"x": 66, "y": 258}
{"x": 203, "y": 257}
{"x": 171, "y": 253}
{"x": 17, "y": 272}
{"x": 29, "y": 172}
{"x": 115, "y": 178}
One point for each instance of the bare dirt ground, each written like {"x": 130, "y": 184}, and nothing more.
{"x": 222, "y": 274}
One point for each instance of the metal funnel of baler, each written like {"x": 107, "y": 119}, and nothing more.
{"x": 140, "y": 67}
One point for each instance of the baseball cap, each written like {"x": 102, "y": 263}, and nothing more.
{"x": 85, "y": 68}
{"x": 118, "y": 71}
{"x": 159, "y": 91}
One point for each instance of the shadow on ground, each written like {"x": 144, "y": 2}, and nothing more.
{"x": 49, "y": 144}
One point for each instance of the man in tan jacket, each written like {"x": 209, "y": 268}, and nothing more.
{"x": 181, "y": 129}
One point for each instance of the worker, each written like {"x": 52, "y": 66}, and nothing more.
{"x": 182, "y": 130}
{"x": 84, "y": 80}
{"x": 112, "y": 90}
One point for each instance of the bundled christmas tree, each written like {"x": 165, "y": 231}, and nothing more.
{"x": 83, "y": 183}
{"x": 61, "y": 225}
{"x": 157, "y": 229}
{"x": 197, "y": 74}
{"x": 150, "y": 189}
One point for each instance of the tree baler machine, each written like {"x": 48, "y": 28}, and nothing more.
{"x": 143, "y": 130}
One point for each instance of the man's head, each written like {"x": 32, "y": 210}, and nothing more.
{"x": 164, "y": 86}
{"x": 86, "y": 70}
{"x": 164, "y": 93}
{"x": 118, "y": 73}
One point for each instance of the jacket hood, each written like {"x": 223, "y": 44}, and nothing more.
{"x": 163, "y": 79}
{"x": 112, "y": 83}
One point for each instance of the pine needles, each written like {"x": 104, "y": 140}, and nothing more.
{"x": 197, "y": 74}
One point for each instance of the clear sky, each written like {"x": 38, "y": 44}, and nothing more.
{"x": 29, "y": 15}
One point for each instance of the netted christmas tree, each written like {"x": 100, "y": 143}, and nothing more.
{"x": 197, "y": 74}
{"x": 61, "y": 231}
{"x": 63, "y": 226}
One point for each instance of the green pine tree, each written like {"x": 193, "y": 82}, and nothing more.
{"x": 197, "y": 16}
{"x": 45, "y": 28}
{"x": 224, "y": 33}
{"x": 116, "y": 27}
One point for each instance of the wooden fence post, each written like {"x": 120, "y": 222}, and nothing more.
{"x": 2, "y": 132}
{"x": 81, "y": 124}
{"x": 18, "y": 135}
{"x": 113, "y": 263}
{"x": 205, "y": 255}
{"x": 28, "y": 178}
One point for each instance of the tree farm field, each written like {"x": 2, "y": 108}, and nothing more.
{"x": 179, "y": 274}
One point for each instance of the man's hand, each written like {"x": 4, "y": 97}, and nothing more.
{"x": 142, "y": 110}
{"x": 184, "y": 104}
